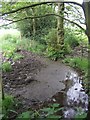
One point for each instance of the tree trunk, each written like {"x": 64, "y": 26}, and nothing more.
{"x": 88, "y": 115}
{"x": 86, "y": 7}
{"x": 34, "y": 24}
{"x": 60, "y": 25}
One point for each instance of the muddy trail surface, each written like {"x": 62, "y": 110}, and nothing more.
{"x": 35, "y": 79}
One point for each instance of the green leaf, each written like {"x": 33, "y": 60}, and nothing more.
{"x": 46, "y": 109}
{"x": 24, "y": 115}
{"x": 55, "y": 105}
{"x": 82, "y": 115}
{"x": 56, "y": 117}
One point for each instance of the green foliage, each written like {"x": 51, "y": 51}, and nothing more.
{"x": 45, "y": 113}
{"x": 17, "y": 56}
{"x": 25, "y": 115}
{"x": 82, "y": 65}
{"x": 26, "y": 26}
{"x": 66, "y": 49}
{"x": 6, "y": 67}
{"x": 51, "y": 111}
{"x": 8, "y": 41}
{"x": 31, "y": 45}
{"x": 80, "y": 114}
{"x": 38, "y": 48}
{"x": 8, "y": 102}
{"x": 51, "y": 37}
{"x": 8, "y": 105}
{"x": 76, "y": 62}
{"x": 29, "y": 115}
{"x": 10, "y": 38}
{"x": 9, "y": 34}
{"x": 71, "y": 38}
{"x": 54, "y": 50}
{"x": 86, "y": 81}
{"x": 9, "y": 53}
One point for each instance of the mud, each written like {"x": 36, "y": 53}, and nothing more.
{"x": 37, "y": 81}
{"x": 34, "y": 78}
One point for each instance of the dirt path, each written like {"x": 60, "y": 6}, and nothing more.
{"x": 34, "y": 78}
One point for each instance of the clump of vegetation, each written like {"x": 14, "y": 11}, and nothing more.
{"x": 7, "y": 102}
{"x": 51, "y": 39}
{"x": 51, "y": 112}
{"x": 76, "y": 62}
{"x": 81, "y": 115}
{"x": 82, "y": 65}
{"x": 71, "y": 38}
{"x": 6, "y": 67}
{"x": 8, "y": 107}
{"x": 17, "y": 56}
{"x": 8, "y": 42}
{"x": 44, "y": 113}
{"x": 31, "y": 45}
{"x": 54, "y": 50}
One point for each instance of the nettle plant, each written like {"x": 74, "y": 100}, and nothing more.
{"x": 44, "y": 113}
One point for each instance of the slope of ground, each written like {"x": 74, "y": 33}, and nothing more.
{"x": 34, "y": 79}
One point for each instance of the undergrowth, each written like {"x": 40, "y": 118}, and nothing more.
{"x": 78, "y": 62}
{"x": 9, "y": 106}
{"x": 10, "y": 110}
{"x": 31, "y": 45}
{"x": 44, "y": 113}
{"x": 6, "y": 67}
{"x": 81, "y": 115}
{"x": 11, "y": 42}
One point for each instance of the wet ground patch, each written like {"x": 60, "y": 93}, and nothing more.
{"x": 37, "y": 82}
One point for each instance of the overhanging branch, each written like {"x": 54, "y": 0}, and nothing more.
{"x": 33, "y": 17}
{"x": 40, "y": 3}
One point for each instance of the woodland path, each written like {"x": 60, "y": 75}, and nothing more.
{"x": 35, "y": 78}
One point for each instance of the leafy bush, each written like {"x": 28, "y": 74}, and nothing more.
{"x": 8, "y": 42}
{"x": 17, "y": 56}
{"x": 66, "y": 49}
{"x": 54, "y": 50}
{"x": 51, "y": 112}
{"x": 51, "y": 37}
{"x": 7, "y": 102}
{"x": 10, "y": 35}
{"x": 9, "y": 53}
{"x": 10, "y": 38}
{"x": 76, "y": 62}
{"x": 6, "y": 67}
{"x": 41, "y": 24}
{"x": 71, "y": 38}
{"x": 82, "y": 65}
{"x": 8, "y": 105}
{"x": 44, "y": 113}
{"x": 25, "y": 115}
{"x": 32, "y": 45}
{"x": 81, "y": 115}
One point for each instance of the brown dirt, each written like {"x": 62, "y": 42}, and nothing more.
{"x": 34, "y": 79}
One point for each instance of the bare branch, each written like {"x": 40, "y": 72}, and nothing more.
{"x": 80, "y": 21}
{"x": 74, "y": 7}
{"x": 66, "y": 13}
{"x": 7, "y": 19}
{"x": 40, "y": 3}
{"x": 33, "y": 17}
